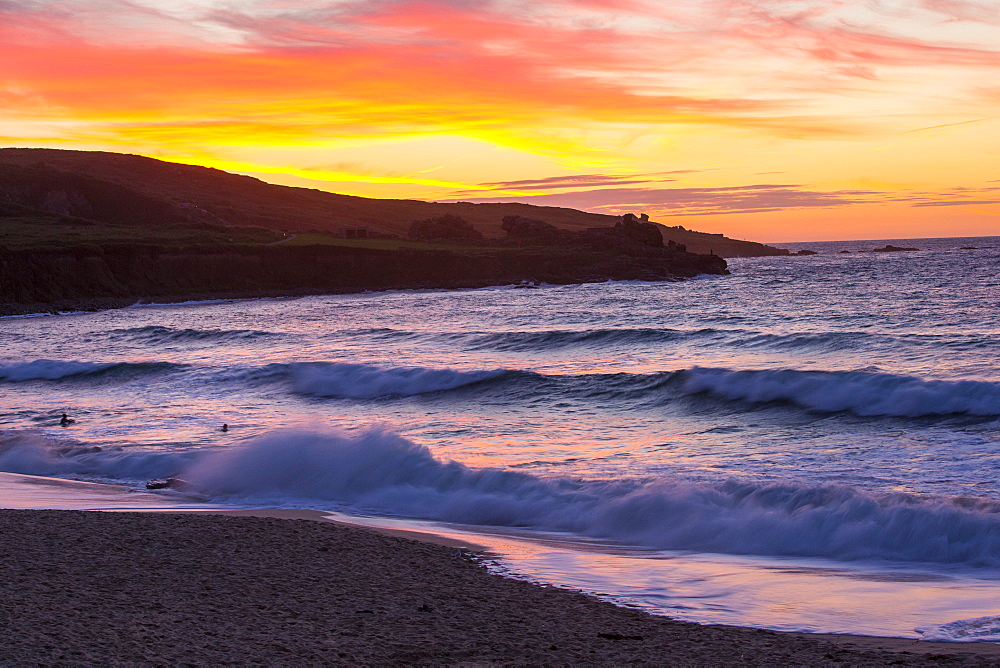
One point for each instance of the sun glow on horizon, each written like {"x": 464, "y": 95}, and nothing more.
{"x": 773, "y": 121}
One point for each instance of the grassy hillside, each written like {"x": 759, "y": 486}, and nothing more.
{"x": 169, "y": 200}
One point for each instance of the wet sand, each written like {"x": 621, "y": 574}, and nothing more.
{"x": 90, "y": 588}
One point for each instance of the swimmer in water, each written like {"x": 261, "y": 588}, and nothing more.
{"x": 225, "y": 427}
{"x": 65, "y": 421}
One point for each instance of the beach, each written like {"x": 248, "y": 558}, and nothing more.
{"x": 98, "y": 588}
{"x": 765, "y": 450}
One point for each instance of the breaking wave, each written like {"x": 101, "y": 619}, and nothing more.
{"x": 822, "y": 341}
{"x": 384, "y": 472}
{"x": 30, "y": 453}
{"x": 60, "y": 370}
{"x": 550, "y": 339}
{"x": 980, "y": 629}
{"x": 160, "y": 334}
{"x": 522, "y": 341}
{"x": 361, "y": 381}
{"x": 379, "y": 471}
{"x": 862, "y": 393}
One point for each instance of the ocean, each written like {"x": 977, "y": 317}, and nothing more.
{"x": 811, "y": 443}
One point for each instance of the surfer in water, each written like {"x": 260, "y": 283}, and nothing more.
{"x": 66, "y": 421}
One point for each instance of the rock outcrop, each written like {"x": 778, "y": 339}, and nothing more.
{"x": 888, "y": 248}
{"x": 444, "y": 228}
{"x": 640, "y": 230}
{"x": 519, "y": 227}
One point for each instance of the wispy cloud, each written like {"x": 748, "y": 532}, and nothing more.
{"x": 959, "y": 202}
{"x": 696, "y": 201}
{"x": 752, "y": 198}
{"x": 625, "y": 95}
{"x": 581, "y": 181}
{"x": 406, "y": 65}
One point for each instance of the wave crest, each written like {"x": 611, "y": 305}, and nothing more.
{"x": 862, "y": 393}
{"x": 551, "y": 339}
{"x": 384, "y": 472}
{"x": 161, "y": 334}
{"x": 379, "y": 471}
{"x": 30, "y": 453}
{"x": 361, "y": 381}
{"x": 44, "y": 369}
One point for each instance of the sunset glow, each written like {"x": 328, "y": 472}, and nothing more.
{"x": 770, "y": 120}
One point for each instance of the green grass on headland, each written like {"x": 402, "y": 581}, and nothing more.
{"x": 327, "y": 239}
{"x": 53, "y": 232}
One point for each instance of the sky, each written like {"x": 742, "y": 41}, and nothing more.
{"x": 770, "y": 120}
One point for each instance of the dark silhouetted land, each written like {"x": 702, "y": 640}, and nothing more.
{"x": 134, "y": 191}
{"x": 88, "y": 230}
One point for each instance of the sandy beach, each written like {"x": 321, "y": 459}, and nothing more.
{"x": 92, "y": 588}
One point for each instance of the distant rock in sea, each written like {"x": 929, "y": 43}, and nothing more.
{"x": 888, "y": 248}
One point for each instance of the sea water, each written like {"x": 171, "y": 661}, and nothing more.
{"x": 811, "y": 443}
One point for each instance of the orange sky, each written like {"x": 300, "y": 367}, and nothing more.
{"x": 763, "y": 119}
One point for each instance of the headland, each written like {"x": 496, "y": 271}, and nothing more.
{"x": 84, "y": 230}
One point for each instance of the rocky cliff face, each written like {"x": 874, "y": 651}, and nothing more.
{"x": 109, "y": 276}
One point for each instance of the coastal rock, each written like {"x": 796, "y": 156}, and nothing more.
{"x": 888, "y": 248}
{"x": 639, "y": 229}
{"x": 447, "y": 227}
{"x": 169, "y": 483}
{"x": 519, "y": 227}
{"x": 805, "y": 252}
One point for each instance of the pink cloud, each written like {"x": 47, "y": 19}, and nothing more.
{"x": 753, "y": 198}
{"x": 287, "y": 68}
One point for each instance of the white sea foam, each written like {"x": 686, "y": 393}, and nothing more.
{"x": 42, "y": 314}
{"x": 384, "y": 472}
{"x": 198, "y": 302}
{"x": 980, "y": 629}
{"x": 861, "y": 393}
{"x": 360, "y": 381}
{"x": 31, "y": 453}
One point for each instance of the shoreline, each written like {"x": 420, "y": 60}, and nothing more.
{"x": 97, "y": 304}
{"x": 98, "y": 277}
{"x": 219, "y": 586}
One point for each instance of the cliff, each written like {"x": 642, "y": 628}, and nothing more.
{"x": 108, "y": 276}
